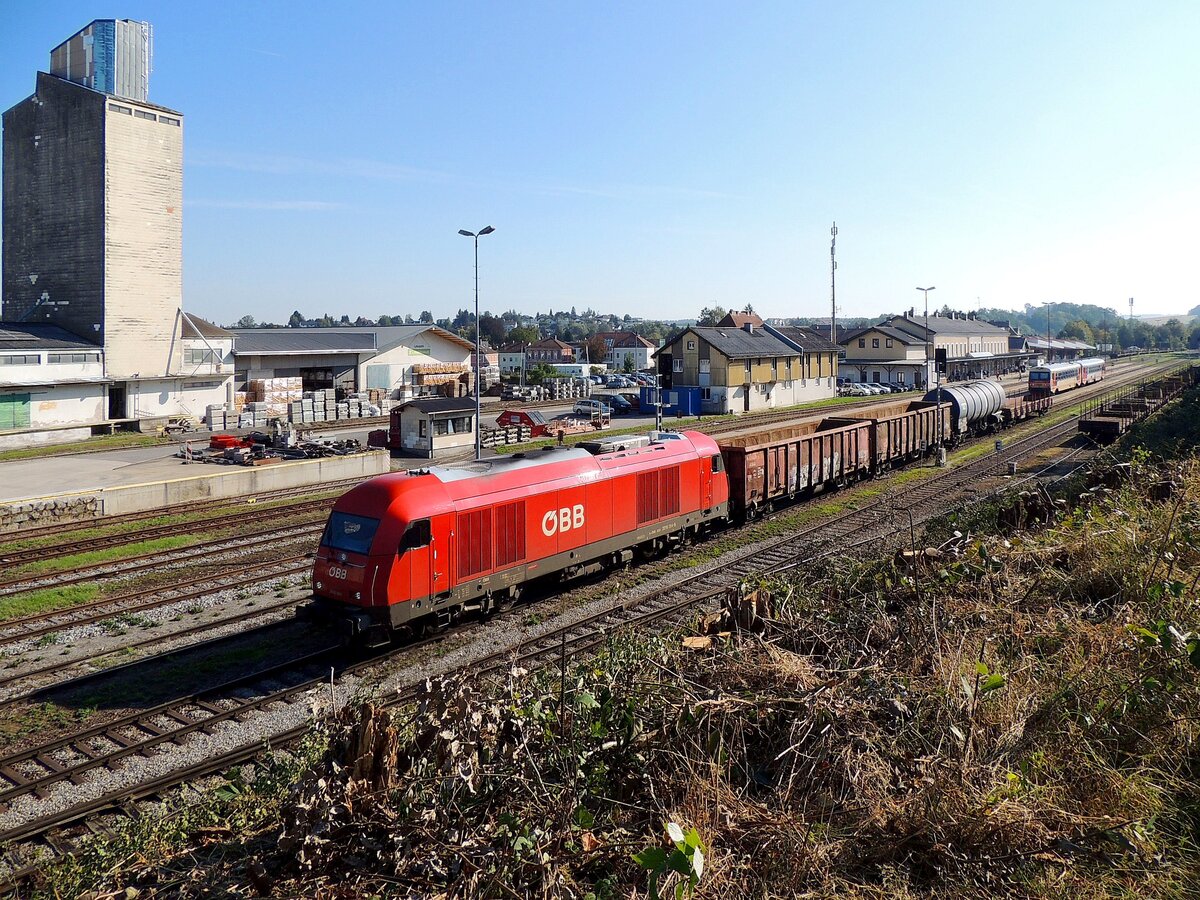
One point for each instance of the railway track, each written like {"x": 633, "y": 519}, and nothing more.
{"x": 154, "y": 560}
{"x": 35, "y": 626}
{"x": 152, "y": 640}
{"x": 218, "y": 508}
{"x": 91, "y": 544}
{"x": 829, "y": 536}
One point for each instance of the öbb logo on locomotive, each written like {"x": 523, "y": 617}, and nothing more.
{"x": 565, "y": 519}
{"x": 337, "y": 572}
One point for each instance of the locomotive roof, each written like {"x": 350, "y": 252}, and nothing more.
{"x": 1057, "y": 367}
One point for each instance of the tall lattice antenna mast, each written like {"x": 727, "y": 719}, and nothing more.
{"x": 833, "y": 285}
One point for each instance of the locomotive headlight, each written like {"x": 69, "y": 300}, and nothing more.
{"x": 358, "y": 595}
{"x": 319, "y": 585}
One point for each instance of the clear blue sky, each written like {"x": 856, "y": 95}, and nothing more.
{"x": 654, "y": 158}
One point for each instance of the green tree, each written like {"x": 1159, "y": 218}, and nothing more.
{"x": 712, "y": 315}
{"x": 539, "y": 373}
{"x": 524, "y": 334}
{"x": 295, "y": 320}
{"x": 426, "y": 317}
{"x": 1078, "y": 330}
{"x": 492, "y": 328}
{"x": 246, "y": 322}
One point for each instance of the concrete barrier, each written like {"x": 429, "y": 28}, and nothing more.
{"x": 214, "y": 483}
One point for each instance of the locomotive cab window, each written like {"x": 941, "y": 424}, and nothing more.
{"x": 416, "y": 535}
{"x": 353, "y": 534}
{"x": 718, "y": 464}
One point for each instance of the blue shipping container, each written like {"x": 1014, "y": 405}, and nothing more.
{"x": 676, "y": 401}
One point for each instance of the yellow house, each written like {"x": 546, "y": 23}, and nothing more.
{"x": 747, "y": 368}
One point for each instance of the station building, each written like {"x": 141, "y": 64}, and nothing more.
{"x": 902, "y": 350}
{"x": 93, "y": 246}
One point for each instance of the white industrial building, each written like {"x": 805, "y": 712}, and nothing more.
{"x": 93, "y": 248}
{"x": 353, "y": 359}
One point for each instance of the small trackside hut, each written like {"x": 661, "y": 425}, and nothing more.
{"x": 427, "y": 427}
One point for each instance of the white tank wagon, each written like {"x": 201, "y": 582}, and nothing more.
{"x": 974, "y": 407}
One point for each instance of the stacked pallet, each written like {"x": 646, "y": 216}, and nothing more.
{"x": 219, "y": 418}
{"x": 276, "y": 393}
{"x": 568, "y": 388}
{"x": 498, "y": 437}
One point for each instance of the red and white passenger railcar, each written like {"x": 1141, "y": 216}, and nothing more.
{"x": 418, "y": 547}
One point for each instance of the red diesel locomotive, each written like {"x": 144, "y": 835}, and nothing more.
{"x": 419, "y": 548}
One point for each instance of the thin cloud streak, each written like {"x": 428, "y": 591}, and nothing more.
{"x": 273, "y": 205}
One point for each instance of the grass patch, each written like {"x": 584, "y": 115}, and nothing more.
{"x": 120, "y": 441}
{"x": 116, "y": 658}
{"x": 38, "y": 718}
{"x": 46, "y": 600}
{"x": 186, "y": 672}
{"x": 236, "y": 516}
{"x": 108, "y": 554}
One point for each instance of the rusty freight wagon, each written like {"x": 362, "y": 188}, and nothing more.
{"x": 769, "y": 464}
{"x": 903, "y": 430}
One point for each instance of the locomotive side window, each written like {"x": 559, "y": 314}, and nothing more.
{"x": 353, "y": 534}
{"x": 718, "y": 464}
{"x": 416, "y": 535}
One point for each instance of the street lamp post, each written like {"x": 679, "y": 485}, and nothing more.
{"x": 475, "y": 236}
{"x": 937, "y": 398}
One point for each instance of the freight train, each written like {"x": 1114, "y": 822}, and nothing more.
{"x": 1057, "y": 377}
{"x": 406, "y": 551}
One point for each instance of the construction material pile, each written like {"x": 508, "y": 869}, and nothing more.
{"x": 551, "y": 389}
{"x": 259, "y": 449}
{"x": 442, "y": 379}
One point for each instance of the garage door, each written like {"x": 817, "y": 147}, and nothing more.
{"x": 14, "y": 411}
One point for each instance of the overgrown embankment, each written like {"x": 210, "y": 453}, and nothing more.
{"x": 1013, "y": 715}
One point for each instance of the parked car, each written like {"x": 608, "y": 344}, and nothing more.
{"x": 858, "y": 389}
{"x": 879, "y": 388}
{"x": 591, "y": 408}
{"x": 898, "y": 387}
{"x": 633, "y": 399}
{"x": 597, "y": 379}
{"x": 620, "y": 406}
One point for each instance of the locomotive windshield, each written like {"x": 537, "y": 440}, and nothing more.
{"x": 352, "y": 534}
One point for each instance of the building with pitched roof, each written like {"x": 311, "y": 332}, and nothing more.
{"x": 626, "y": 350}
{"x": 353, "y": 359}
{"x": 901, "y": 350}
{"x": 549, "y": 350}
{"x": 749, "y": 368}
